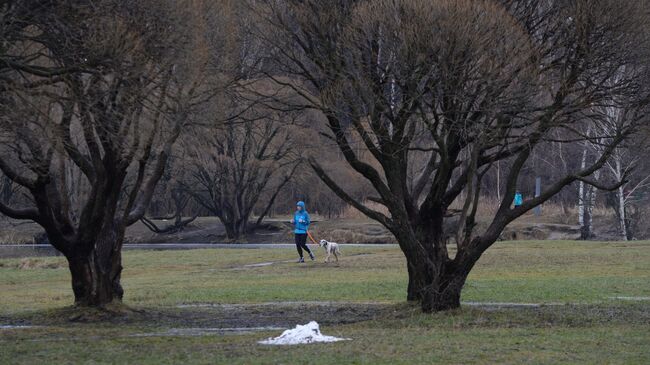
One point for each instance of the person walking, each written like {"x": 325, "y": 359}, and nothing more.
{"x": 301, "y": 222}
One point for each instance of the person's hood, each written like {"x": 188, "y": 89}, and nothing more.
{"x": 301, "y": 204}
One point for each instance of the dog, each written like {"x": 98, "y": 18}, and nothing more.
{"x": 331, "y": 248}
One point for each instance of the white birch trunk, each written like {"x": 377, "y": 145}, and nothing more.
{"x": 620, "y": 194}
{"x": 621, "y": 214}
{"x": 581, "y": 191}
{"x": 590, "y": 203}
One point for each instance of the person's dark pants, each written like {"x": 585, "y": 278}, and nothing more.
{"x": 301, "y": 243}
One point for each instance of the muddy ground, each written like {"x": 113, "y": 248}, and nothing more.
{"x": 214, "y": 315}
{"x": 288, "y": 314}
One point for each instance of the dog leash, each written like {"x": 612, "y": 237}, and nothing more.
{"x": 311, "y": 238}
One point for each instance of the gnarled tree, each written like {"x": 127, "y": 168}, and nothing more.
{"x": 241, "y": 165}
{"x": 96, "y": 90}
{"x": 461, "y": 85}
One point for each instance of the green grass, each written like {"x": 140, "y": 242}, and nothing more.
{"x": 594, "y": 328}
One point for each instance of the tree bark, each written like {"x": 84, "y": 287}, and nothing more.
{"x": 581, "y": 196}
{"x": 231, "y": 232}
{"x": 622, "y": 216}
{"x": 434, "y": 280}
{"x": 437, "y": 287}
{"x": 586, "y": 230}
{"x": 444, "y": 293}
{"x": 415, "y": 285}
{"x": 235, "y": 229}
{"x": 587, "y": 209}
{"x": 620, "y": 195}
{"x": 96, "y": 272}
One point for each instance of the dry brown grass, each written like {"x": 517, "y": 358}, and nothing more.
{"x": 18, "y": 232}
{"x": 353, "y": 236}
{"x": 351, "y": 212}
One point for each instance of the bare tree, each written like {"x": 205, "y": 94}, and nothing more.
{"x": 171, "y": 199}
{"x": 180, "y": 200}
{"x": 102, "y": 88}
{"x": 621, "y": 165}
{"x": 462, "y": 84}
{"x": 238, "y": 163}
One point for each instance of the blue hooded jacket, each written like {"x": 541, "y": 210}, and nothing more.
{"x": 301, "y": 219}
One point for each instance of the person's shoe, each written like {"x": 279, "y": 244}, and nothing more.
{"x": 301, "y": 260}
{"x": 312, "y": 257}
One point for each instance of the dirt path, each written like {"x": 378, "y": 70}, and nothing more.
{"x": 318, "y": 260}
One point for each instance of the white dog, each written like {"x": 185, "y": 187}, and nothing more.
{"x": 331, "y": 248}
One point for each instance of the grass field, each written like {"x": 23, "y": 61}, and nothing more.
{"x": 595, "y": 309}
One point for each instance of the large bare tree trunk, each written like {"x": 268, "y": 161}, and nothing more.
{"x": 96, "y": 272}
{"x": 236, "y": 228}
{"x": 444, "y": 293}
{"x": 436, "y": 284}
{"x": 435, "y": 280}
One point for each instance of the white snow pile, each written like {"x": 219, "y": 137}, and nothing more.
{"x": 309, "y": 333}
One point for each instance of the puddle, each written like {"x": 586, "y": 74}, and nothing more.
{"x": 200, "y": 331}
{"x": 279, "y": 304}
{"x": 509, "y": 304}
{"x": 262, "y": 264}
{"x": 172, "y": 332}
{"x": 362, "y": 304}
{"x": 631, "y": 298}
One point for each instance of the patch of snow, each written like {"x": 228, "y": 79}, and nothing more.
{"x": 309, "y": 333}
